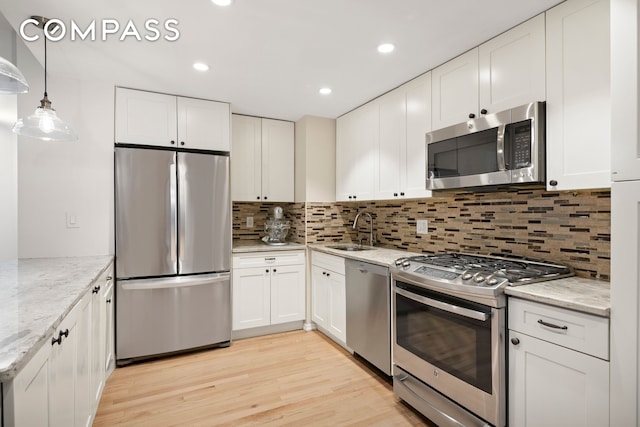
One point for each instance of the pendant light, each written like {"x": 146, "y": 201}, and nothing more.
{"x": 44, "y": 123}
{"x": 11, "y": 79}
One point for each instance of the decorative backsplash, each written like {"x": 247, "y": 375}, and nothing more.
{"x": 572, "y": 228}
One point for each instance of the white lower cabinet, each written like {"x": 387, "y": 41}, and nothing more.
{"x": 62, "y": 384}
{"x": 328, "y": 295}
{"x": 555, "y": 379}
{"x": 268, "y": 289}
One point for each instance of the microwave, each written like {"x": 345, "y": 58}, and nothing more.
{"x": 504, "y": 148}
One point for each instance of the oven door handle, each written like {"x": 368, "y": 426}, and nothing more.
{"x": 451, "y": 308}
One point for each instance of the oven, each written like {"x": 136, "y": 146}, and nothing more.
{"x": 448, "y": 333}
{"x": 452, "y": 346}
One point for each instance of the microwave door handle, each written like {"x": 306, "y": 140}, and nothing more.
{"x": 500, "y": 149}
{"x": 451, "y": 308}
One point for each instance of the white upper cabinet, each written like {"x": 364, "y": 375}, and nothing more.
{"x": 512, "y": 67}
{"x": 455, "y": 90}
{"x": 356, "y": 149}
{"x": 405, "y": 118}
{"x": 203, "y": 124}
{"x": 262, "y": 160}
{"x": 505, "y": 72}
{"x": 277, "y": 160}
{"x": 149, "y": 118}
{"x": 578, "y": 95}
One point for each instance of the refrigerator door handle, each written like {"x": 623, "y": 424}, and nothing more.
{"x": 173, "y": 183}
{"x": 174, "y": 282}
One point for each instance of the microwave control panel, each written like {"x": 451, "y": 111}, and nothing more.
{"x": 521, "y": 147}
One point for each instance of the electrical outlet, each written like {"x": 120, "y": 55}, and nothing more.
{"x": 249, "y": 222}
{"x": 422, "y": 226}
{"x": 72, "y": 220}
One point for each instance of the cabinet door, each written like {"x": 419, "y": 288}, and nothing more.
{"x": 319, "y": 297}
{"x": 413, "y": 165}
{"x": 455, "y": 90}
{"x": 203, "y": 125}
{"x": 392, "y": 144}
{"x": 70, "y": 368}
{"x": 109, "y": 325}
{"x": 287, "y": 293}
{"x": 98, "y": 341}
{"x": 512, "y": 67}
{"x": 337, "y": 306}
{"x": 550, "y": 385}
{"x": 86, "y": 374}
{"x": 251, "y": 297}
{"x": 625, "y": 153}
{"x": 277, "y": 160}
{"x": 146, "y": 118}
{"x": 246, "y": 158}
{"x": 578, "y": 95}
{"x": 30, "y": 389}
{"x": 356, "y": 147}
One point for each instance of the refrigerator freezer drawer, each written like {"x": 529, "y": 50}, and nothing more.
{"x": 158, "y": 316}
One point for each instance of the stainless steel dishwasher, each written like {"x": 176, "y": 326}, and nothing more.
{"x": 368, "y": 292}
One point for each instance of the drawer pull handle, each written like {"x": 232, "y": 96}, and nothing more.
{"x": 551, "y": 325}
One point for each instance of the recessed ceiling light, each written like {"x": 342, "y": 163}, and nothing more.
{"x": 200, "y": 66}
{"x": 325, "y": 90}
{"x": 221, "y": 2}
{"x": 386, "y": 48}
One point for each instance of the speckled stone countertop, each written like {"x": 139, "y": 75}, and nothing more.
{"x": 241, "y": 246}
{"x": 574, "y": 293}
{"x": 377, "y": 255}
{"x": 35, "y": 296}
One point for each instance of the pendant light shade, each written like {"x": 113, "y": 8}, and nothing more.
{"x": 44, "y": 123}
{"x": 11, "y": 79}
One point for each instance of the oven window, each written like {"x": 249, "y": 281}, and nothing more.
{"x": 458, "y": 345}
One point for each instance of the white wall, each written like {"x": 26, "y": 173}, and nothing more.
{"x": 315, "y": 160}
{"x": 8, "y": 156}
{"x": 56, "y": 178}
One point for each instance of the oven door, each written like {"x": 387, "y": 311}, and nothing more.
{"x": 453, "y": 345}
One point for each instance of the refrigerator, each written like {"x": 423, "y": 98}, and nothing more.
{"x": 173, "y": 251}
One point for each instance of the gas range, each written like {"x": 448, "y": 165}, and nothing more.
{"x": 480, "y": 278}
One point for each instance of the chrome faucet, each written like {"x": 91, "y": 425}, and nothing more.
{"x": 355, "y": 225}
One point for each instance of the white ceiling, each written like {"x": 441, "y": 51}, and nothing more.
{"x": 270, "y": 57}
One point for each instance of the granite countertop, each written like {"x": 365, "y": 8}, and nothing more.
{"x": 244, "y": 246}
{"x": 575, "y": 293}
{"x": 377, "y": 255}
{"x": 36, "y": 295}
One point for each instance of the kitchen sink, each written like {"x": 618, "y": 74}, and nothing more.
{"x": 351, "y": 248}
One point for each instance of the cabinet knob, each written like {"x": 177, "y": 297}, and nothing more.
{"x": 265, "y": 197}
{"x": 109, "y": 301}
{"x": 553, "y": 183}
{"x": 172, "y": 142}
{"x": 274, "y": 270}
{"x": 515, "y": 341}
{"x": 402, "y": 194}
{"x": 395, "y": 194}
{"x": 483, "y": 111}
{"x": 64, "y": 333}
{"x": 324, "y": 273}
{"x": 181, "y": 142}
{"x": 55, "y": 341}
{"x": 350, "y": 197}
{"x": 328, "y": 275}
{"x": 95, "y": 289}
{"x": 267, "y": 270}
{"x": 354, "y": 197}
{"x": 472, "y": 116}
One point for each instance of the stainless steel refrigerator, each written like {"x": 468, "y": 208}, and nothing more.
{"x": 173, "y": 251}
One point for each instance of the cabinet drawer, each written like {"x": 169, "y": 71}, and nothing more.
{"x": 259, "y": 259}
{"x": 578, "y": 331}
{"x": 328, "y": 262}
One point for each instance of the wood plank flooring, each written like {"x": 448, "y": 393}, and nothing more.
{"x": 295, "y": 378}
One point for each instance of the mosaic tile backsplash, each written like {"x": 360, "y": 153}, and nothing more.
{"x": 571, "y": 228}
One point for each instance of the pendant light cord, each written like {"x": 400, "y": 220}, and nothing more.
{"x": 45, "y": 65}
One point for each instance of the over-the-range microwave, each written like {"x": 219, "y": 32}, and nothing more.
{"x": 503, "y": 148}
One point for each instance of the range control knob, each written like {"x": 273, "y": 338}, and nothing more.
{"x": 467, "y": 276}
{"x": 492, "y": 281}
{"x": 398, "y": 262}
{"x": 479, "y": 278}
{"x": 406, "y": 264}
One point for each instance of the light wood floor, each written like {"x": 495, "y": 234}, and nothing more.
{"x": 295, "y": 378}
